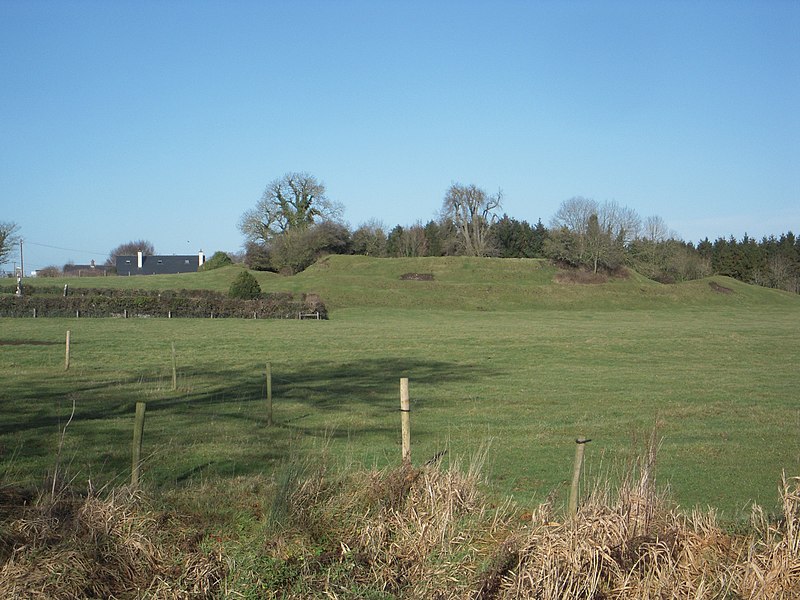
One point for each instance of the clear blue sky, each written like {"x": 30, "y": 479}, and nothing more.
{"x": 165, "y": 120}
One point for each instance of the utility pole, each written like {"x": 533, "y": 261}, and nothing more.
{"x": 21, "y": 260}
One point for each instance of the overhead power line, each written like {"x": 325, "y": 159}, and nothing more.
{"x": 67, "y": 249}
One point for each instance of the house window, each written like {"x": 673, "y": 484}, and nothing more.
{"x": 127, "y": 262}
{"x": 161, "y": 262}
{"x": 186, "y": 261}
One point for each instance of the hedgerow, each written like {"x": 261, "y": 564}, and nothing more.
{"x": 194, "y": 304}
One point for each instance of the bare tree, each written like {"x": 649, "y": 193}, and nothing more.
{"x": 292, "y": 202}
{"x": 602, "y": 247}
{"x": 655, "y": 229}
{"x": 8, "y": 239}
{"x": 472, "y": 213}
{"x": 130, "y": 249}
{"x": 587, "y": 233}
{"x": 652, "y": 251}
{"x": 573, "y": 214}
{"x": 622, "y": 222}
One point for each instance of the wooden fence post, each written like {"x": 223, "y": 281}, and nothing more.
{"x": 66, "y": 357}
{"x": 405, "y": 419}
{"x": 576, "y": 474}
{"x": 138, "y": 433}
{"x": 269, "y": 393}
{"x": 174, "y": 369}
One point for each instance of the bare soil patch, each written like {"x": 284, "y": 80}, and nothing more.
{"x": 580, "y": 276}
{"x": 417, "y": 277}
{"x": 721, "y": 289}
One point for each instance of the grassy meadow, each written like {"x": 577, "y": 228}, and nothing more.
{"x": 497, "y": 354}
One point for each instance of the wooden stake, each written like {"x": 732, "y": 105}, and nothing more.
{"x": 405, "y": 419}
{"x": 138, "y": 434}
{"x": 174, "y": 369}
{"x": 269, "y": 393}
{"x": 66, "y": 358}
{"x": 576, "y": 474}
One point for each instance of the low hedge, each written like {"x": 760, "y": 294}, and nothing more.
{"x": 81, "y": 292}
{"x": 281, "y": 305}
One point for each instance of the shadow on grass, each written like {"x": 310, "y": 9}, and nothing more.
{"x": 225, "y": 417}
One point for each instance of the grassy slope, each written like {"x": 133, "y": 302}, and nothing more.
{"x": 717, "y": 370}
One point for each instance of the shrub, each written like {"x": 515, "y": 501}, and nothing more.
{"x": 51, "y": 271}
{"x": 245, "y": 287}
{"x": 257, "y": 257}
{"x": 296, "y": 249}
{"x": 219, "y": 259}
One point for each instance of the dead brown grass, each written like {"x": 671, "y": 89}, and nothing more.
{"x": 430, "y": 533}
{"x": 409, "y": 533}
{"x": 90, "y": 547}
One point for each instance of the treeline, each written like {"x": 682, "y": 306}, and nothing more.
{"x": 771, "y": 262}
{"x": 294, "y": 223}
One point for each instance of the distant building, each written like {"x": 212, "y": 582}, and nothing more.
{"x": 159, "y": 265}
{"x": 90, "y": 270}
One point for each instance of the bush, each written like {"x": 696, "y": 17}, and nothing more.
{"x": 219, "y": 259}
{"x": 257, "y": 257}
{"x": 296, "y": 249}
{"x": 245, "y": 287}
{"x": 51, "y": 271}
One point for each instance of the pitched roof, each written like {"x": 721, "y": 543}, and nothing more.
{"x": 158, "y": 264}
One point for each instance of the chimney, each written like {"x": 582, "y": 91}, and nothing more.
{"x": 139, "y": 259}
{"x": 201, "y": 258}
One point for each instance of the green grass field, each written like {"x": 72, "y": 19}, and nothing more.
{"x": 496, "y": 353}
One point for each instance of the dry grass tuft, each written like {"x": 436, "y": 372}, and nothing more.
{"x": 92, "y": 547}
{"x": 632, "y": 547}
{"x": 772, "y": 568}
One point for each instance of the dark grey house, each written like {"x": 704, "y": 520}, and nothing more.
{"x": 159, "y": 265}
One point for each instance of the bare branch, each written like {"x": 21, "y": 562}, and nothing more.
{"x": 473, "y": 213}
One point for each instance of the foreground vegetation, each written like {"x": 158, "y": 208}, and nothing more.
{"x": 396, "y": 533}
{"x": 509, "y": 364}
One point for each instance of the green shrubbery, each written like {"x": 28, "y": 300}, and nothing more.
{"x": 219, "y": 259}
{"x": 245, "y": 287}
